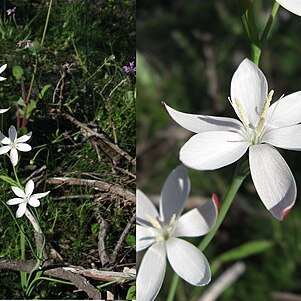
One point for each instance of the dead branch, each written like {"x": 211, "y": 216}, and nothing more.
{"x": 223, "y": 282}
{"x": 106, "y": 187}
{"x": 103, "y": 138}
{"x": 121, "y": 239}
{"x": 284, "y": 296}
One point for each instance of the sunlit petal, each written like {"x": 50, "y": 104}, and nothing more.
{"x": 18, "y": 192}
{"x": 198, "y": 221}
{"x": 14, "y": 156}
{"x": 213, "y": 150}
{"x": 14, "y": 201}
{"x": 294, "y": 6}
{"x": 145, "y": 237}
{"x": 41, "y": 195}
{"x": 23, "y": 147}
{"x": 151, "y": 272}
{"x": 273, "y": 179}
{"x": 188, "y": 261}
{"x": 21, "y": 210}
{"x": 34, "y": 202}
{"x": 249, "y": 86}
{"x": 202, "y": 123}
{"x": 29, "y": 187}
{"x": 5, "y": 149}
{"x": 24, "y": 138}
{"x": 145, "y": 208}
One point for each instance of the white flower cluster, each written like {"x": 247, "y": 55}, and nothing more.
{"x": 12, "y": 144}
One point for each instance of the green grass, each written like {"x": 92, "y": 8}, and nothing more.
{"x": 85, "y": 47}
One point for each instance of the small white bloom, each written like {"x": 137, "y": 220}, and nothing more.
{"x": 294, "y": 6}
{"x": 14, "y": 144}
{"x": 25, "y": 197}
{"x": 220, "y": 141}
{"x": 2, "y": 68}
{"x": 159, "y": 233}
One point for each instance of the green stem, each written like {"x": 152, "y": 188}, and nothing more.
{"x": 255, "y": 54}
{"x": 242, "y": 170}
{"x": 46, "y": 23}
{"x": 270, "y": 22}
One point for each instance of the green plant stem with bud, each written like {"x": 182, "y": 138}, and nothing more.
{"x": 241, "y": 172}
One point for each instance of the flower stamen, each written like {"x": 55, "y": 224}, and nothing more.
{"x": 241, "y": 113}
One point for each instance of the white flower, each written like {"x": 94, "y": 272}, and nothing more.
{"x": 294, "y": 6}
{"x": 221, "y": 141}
{"x": 2, "y": 68}
{"x": 14, "y": 144}
{"x": 159, "y": 233}
{"x": 25, "y": 197}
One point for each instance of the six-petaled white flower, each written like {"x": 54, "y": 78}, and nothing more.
{"x": 13, "y": 144}
{"x": 25, "y": 197}
{"x": 2, "y": 68}
{"x": 159, "y": 233}
{"x": 221, "y": 141}
{"x": 294, "y": 6}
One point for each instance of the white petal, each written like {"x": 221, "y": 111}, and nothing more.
{"x": 250, "y": 87}
{"x": 12, "y": 133}
{"x": 202, "y": 123}
{"x": 151, "y": 272}
{"x": 34, "y": 202}
{"x": 286, "y": 111}
{"x": 174, "y": 193}
{"x": 145, "y": 236}
{"x": 4, "y": 149}
{"x": 294, "y": 6}
{"x": 213, "y": 150}
{"x": 18, "y": 192}
{"x": 4, "y": 140}
{"x": 4, "y": 110}
{"x": 14, "y": 201}
{"x": 3, "y": 67}
{"x": 29, "y": 187}
{"x": 198, "y": 221}
{"x": 145, "y": 208}
{"x": 2, "y": 78}
{"x": 41, "y": 195}
{"x": 13, "y": 156}
{"x": 24, "y": 138}
{"x": 287, "y": 137}
{"x": 188, "y": 261}
{"x": 273, "y": 179}
{"x": 23, "y": 147}
{"x": 21, "y": 210}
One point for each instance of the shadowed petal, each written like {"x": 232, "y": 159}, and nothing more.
{"x": 14, "y": 201}
{"x": 23, "y": 147}
{"x": 249, "y": 86}
{"x": 213, "y": 150}
{"x": 188, "y": 261}
{"x": 145, "y": 236}
{"x": 202, "y": 123}
{"x": 12, "y": 133}
{"x": 198, "y": 221}
{"x": 145, "y": 208}
{"x": 5, "y": 149}
{"x": 286, "y": 137}
{"x": 13, "y": 156}
{"x": 273, "y": 179}
{"x": 286, "y": 111}
{"x": 29, "y": 187}
{"x": 18, "y": 192}
{"x": 294, "y": 6}
{"x": 174, "y": 193}
{"x": 151, "y": 272}
{"x": 21, "y": 210}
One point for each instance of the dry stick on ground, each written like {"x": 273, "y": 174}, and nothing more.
{"x": 284, "y": 296}
{"x": 121, "y": 239}
{"x": 112, "y": 145}
{"x": 106, "y": 187}
{"x": 79, "y": 281}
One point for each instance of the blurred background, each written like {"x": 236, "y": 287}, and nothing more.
{"x": 187, "y": 54}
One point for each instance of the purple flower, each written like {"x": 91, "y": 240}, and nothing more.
{"x": 11, "y": 11}
{"x": 130, "y": 68}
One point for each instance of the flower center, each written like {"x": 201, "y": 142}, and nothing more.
{"x": 254, "y": 133}
{"x": 164, "y": 229}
